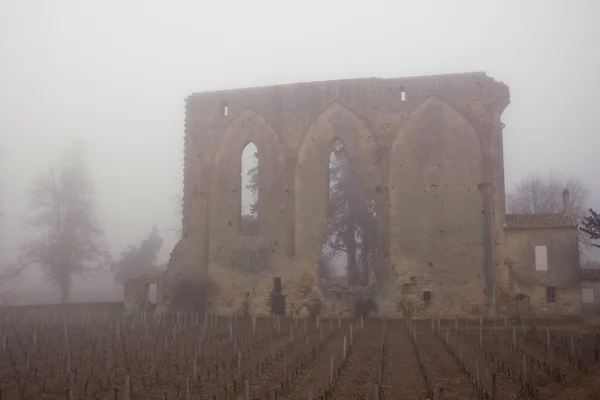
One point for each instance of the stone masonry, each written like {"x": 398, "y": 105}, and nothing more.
{"x": 558, "y": 237}
{"x": 428, "y": 148}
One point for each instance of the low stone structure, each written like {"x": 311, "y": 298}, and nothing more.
{"x": 543, "y": 261}
{"x": 137, "y": 293}
{"x": 590, "y": 292}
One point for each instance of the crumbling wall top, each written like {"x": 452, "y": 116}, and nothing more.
{"x": 290, "y": 109}
{"x": 481, "y": 76}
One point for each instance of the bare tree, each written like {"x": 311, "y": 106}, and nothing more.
{"x": 137, "y": 260}
{"x": 538, "y": 194}
{"x": 68, "y": 238}
{"x": 2, "y": 186}
{"x": 591, "y": 226}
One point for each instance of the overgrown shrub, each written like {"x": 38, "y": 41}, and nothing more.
{"x": 245, "y": 308}
{"x": 193, "y": 294}
{"x": 364, "y": 306}
{"x": 314, "y": 308}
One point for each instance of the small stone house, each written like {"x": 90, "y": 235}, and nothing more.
{"x": 543, "y": 262}
{"x": 590, "y": 292}
{"x": 139, "y": 291}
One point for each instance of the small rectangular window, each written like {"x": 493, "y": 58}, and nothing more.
{"x": 587, "y": 295}
{"x": 541, "y": 258}
{"x": 225, "y": 108}
{"x": 551, "y": 294}
{"x": 426, "y": 296}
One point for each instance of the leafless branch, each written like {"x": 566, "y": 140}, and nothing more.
{"x": 541, "y": 194}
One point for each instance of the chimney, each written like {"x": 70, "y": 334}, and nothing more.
{"x": 567, "y": 209}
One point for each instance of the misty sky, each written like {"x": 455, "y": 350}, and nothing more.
{"x": 116, "y": 73}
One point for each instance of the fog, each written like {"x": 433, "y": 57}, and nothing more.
{"x": 116, "y": 74}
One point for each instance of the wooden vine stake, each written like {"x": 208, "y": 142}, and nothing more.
{"x": 331, "y": 371}
{"x": 127, "y": 387}
{"x": 72, "y": 386}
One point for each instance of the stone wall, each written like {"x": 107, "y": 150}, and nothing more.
{"x": 591, "y": 309}
{"x": 428, "y": 148}
{"x": 136, "y": 296}
{"x": 563, "y": 269}
{"x": 137, "y": 292}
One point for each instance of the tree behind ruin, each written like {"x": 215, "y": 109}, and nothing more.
{"x": 2, "y": 186}
{"x": 351, "y": 219}
{"x": 351, "y": 227}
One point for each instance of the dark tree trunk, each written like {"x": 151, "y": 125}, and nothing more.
{"x": 65, "y": 288}
{"x": 350, "y": 243}
{"x": 364, "y": 261}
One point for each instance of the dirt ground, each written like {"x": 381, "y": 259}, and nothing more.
{"x": 104, "y": 355}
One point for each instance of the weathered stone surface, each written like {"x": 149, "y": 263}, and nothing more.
{"x": 137, "y": 291}
{"x": 563, "y": 269}
{"x": 590, "y": 281}
{"x": 432, "y": 159}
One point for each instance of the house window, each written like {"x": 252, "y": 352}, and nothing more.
{"x": 426, "y": 296}
{"x": 402, "y": 93}
{"x": 541, "y": 258}
{"x": 587, "y": 295}
{"x": 551, "y": 294}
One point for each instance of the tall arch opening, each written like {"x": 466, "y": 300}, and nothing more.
{"x": 249, "y": 189}
{"x": 349, "y": 255}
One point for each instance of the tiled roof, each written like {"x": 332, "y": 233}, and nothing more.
{"x": 590, "y": 274}
{"x": 540, "y": 221}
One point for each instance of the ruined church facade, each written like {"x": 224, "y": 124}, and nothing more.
{"x": 429, "y": 150}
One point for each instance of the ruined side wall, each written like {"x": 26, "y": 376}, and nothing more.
{"x": 563, "y": 269}
{"x": 444, "y": 135}
{"x": 437, "y": 215}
